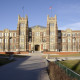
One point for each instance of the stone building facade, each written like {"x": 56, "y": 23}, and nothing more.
{"x": 39, "y": 38}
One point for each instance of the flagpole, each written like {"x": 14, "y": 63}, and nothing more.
{"x": 23, "y": 10}
{"x": 51, "y": 10}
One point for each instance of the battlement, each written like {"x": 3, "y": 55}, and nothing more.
{"x": 51, "y": 18}
{"x": 22, "y": 18}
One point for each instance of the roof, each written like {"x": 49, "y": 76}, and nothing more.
{"x": 38, "y": 26}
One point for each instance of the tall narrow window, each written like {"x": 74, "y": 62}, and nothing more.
{"x": 52, "y": 24}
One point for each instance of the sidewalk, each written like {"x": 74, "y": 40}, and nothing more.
{"x": 29, "y": 68}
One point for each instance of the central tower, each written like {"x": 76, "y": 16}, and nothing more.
{"x": 22, "y": 34}
{"x": 52, "y": 33}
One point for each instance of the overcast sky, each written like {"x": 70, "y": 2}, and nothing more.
{"x": 67, "y": 11}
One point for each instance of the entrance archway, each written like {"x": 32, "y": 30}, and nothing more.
{"x": 37, "y": 47}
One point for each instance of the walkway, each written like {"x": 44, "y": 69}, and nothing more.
{"x": 29, "y": 68}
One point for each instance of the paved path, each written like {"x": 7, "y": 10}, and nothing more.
{"x": 29, "y": 68}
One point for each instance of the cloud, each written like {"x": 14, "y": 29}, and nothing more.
{"x": 74, "y": 26}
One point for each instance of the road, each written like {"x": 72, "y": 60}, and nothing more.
{"x": 29, "y": 68}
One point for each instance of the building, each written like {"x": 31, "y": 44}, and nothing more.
{"x": 39, "y": 38}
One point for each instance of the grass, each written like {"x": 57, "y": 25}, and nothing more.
{"x": 69, "y": 55}
{"x": 17, "y": 56}
{"x": 4, "y": 55}
{"x": 4, "y": 61}
{"x": 72, "y": 64}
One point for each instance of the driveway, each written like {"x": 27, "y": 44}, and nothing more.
{"x": 29, "y": 68}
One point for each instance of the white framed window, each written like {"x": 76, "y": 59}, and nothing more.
{"x": 6, "y": 40}
{"x": 64, "y": 46}
{"x": 69, "y": 40}
{"x": 14, "y": 34}
{"x": 37, "y": 34}
{"x": 44, "y": 39}
{"x": 14, "y": 40}
{"x": 51, "y": 46}
{"x": 0, "y": 40}
{"x": 44, "y": 34}
{"x": 52, "y": 39}
{"x": 21, "y": 39}
{"x": 51, "y": 33}
{"x": 63, "y": 40}
{"x": 11, "y": 34}
{"x": 21, "y": 46}
{"x": 73, "y": 34}
{"x": 11, "y": 40}
{"x": 1, "y": 34}
{"x": 44, "y": 46}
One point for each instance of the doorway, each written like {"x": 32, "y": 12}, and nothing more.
{"x": 37, "y": 47}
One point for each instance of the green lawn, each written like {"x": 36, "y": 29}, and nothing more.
{"x": 72, "y": 64}
{"x": 4, "y": 61}
{"x": 17, "y": 56}
{"x": 71, "y": 55}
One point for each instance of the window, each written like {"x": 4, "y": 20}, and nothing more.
{"x": 30, "y": 34}
{"x": 51, "y": 24}
{"x": 59, "y": 40}
{"x": 0, "y": 40}
{"x": 73, "y": 40}
{"x": 63, "y": 40}
{"x": 73, "y": 34}
{"x": 29, "y": 39}
{"x": 52, "y": 39}
{"x": 1, "y": 34}
{"x": 11, "y": 34}
{"x": 1, "y": 47}
{"x": 37, "y": 34}
{"x": 69, "y": 40}
{"x": 22, "y": 25}
{"x": 21, "y": 46}
{"x": 44, "y": 46}
{"x": 6, "y": 34}
{"x": 69, "y": 46}
{"x": 78, "y": 40}
{"x": 59, "y": 34}
{"x": 22, "y": 33}
{"x": 78, "y": 34}
{"x": 63, "y": 34}
{"x": 64, "y": 46}
{"x": 11, "y": 40}
{"x": 14, "y": 40}
{"x": 44, "y": 39}
{"x": 51, "y": 46}
{"x": 44, "y": 34}
{"x": 14, "y": 34}
{"x": 69, "y": 34}
{"x": 21, "y": 39}
{"x": 51, "y": 33}
{"x": 11, "y": 46}
{"x": 6, "y": 40}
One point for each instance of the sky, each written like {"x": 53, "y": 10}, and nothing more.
{"x": 67, "y": 11}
